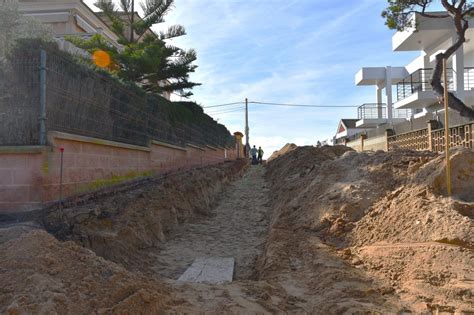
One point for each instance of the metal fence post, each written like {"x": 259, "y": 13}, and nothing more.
{"x": 42, "y": 115}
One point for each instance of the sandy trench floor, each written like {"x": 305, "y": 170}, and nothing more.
{"x": 236, "y": 228}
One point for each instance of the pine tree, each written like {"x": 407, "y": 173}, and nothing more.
{"x": 145, "y": 58}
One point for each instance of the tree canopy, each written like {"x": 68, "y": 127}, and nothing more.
{"x": 145, "y": 57}
{"x": 15, "y": 26}
{"x": 397, "y": 16}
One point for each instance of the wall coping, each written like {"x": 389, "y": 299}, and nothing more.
{"x": 211, "y": 147}
{"x": 164, "y": 144}
{"x": 68, "y": 136}
{"x": 25, "y": 149}
{"x": 195, "y": 146}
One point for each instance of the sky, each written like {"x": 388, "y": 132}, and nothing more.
{"x": 284, "y": 51}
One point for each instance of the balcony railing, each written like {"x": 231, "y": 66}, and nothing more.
{"x": 86, "y": 36}
{"x": 420, "y": 81}
{"x": 379, "y": 111}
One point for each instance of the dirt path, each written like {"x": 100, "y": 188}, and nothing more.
{"x": 236, "y": 228}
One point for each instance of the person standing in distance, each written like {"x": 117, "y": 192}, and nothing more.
{"x": 253, "y": 152}
{"x": 260, "y": 155}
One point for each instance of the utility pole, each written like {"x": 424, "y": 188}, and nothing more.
{"x": 446, "y": 128}
{"x": 132, "y": 20}
{"x": 247, "y": 145}
{"x": 42, "y": 111}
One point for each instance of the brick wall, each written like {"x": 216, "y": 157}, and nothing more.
{"x": 29, "y": 176}
{"x": 20, "y": 177}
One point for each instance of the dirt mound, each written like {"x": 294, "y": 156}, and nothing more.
{"x": 350, "y": 233}
{"x": 286, "y": 148}
{"x": 418, "y": 211}
{"x": 328, "y": 189}
{"x": 428, "y": 276}
{"x": 125, "y": 228}
{"x": 364, "y": 203}
{"x": 41, "y": 275}
{"x": 462, "y": 175}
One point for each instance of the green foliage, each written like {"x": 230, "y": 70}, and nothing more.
{"x": 75, "y": 65}
{"x": 145, "y": 58}
{"x": 397, "y": 14}
{"x": 15, "y": 26}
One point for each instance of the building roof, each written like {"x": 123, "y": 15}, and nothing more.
{"x": 48, "y": 11}
{"x": 349, "y": 123}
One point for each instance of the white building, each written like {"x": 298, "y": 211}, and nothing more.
{"x": 347, "y": 129}
{"x": 68, "y": 18}
{"x": 75, "y": 18}
{"x": 407, "y": 89}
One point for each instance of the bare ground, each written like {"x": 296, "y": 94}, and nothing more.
{"x": 323, "y": 231}
{"x": 235, "y": 228}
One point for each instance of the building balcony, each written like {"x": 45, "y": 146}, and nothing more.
{"x": 86, "y": 36}
{"x": 425, "y": 33}
{"x": 378, "y": 75}
{"x": 374, "y": 114}
{"x": 415, "y": 90}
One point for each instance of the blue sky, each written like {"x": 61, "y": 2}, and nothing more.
{"x": 283, "y": 51}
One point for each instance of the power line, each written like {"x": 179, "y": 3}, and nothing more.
{"x": 226, "y": 111}
{"x": 284, "y": 104}
{"x": 220, "y": 105}
{"x": 212, "y": 110}
{"x": 302, "y": 105}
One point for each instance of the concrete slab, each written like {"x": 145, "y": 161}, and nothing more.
{"x": 213, "y": 270}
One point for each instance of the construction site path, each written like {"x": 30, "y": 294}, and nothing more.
{"x": 236, "y": 228}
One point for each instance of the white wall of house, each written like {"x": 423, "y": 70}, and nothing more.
{"x": 68, "y": 17}
{"x": 432, "y": 37}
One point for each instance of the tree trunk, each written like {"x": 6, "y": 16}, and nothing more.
{"x": 453, "y": 102}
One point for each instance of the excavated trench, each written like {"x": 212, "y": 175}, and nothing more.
{"x": 236, "y": 228}
{"x": 320, "y": 230}
{"x": 162, "y": 227}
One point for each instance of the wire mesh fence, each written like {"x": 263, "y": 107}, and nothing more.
{"x": 19, "y": 94}
{"x": 85, "y": 102}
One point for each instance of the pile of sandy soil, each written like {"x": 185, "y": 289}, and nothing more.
{"x": 386, "y": 216}
{"x": 126, "y": 227}
{"x": 286, "y": 148}
{"x": 335, "y": 232}
{"x": 40, "y": 275}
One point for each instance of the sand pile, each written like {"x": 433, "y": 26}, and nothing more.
{"x": 327, "y": 189}
{"x": 385, "y": 215}
{"x": 40, "y": 275}
{"x": 286, "y": 148}
{"x": 417, "y": 211}
{"x": 350, "y": 233}
{"x": 126, "y": 227}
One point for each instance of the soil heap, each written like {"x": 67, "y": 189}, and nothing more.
{"x": 383, "y": 213}
{"x": 286, "y": 148}
{"x": 41, "y": 275}
{"x": 124, "y": 227}
{"x": 335, "y": 232}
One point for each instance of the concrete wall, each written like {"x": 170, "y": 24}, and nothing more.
{"x": 355, "y": 144}
{"x": 29, "y": 176}
{"x": 369, "y": 144}
{"x": 20, "y": 176}
{"x": 374, "y": 144}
